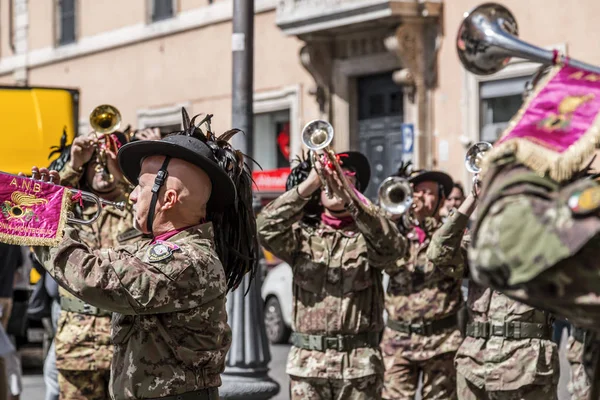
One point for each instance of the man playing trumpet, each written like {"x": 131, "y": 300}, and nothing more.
{"x": 337, "y": 284}
{"x": 82, "y": 341}
{"x": 422, "y": 302}
{"x": 167, "y": 292}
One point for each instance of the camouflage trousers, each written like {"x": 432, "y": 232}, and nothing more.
{"x": 468, "y": 391}
{"x": 579, "y": 384}
{"x": 83, "y": 385}
{"x": 367, "y": 388}
{"x": 402, "y": 378}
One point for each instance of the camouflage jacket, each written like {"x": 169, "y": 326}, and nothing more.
{"x": 419, "y": 291}
{"x": 496, "y": 363}
{"x": 529, "y": 244}
{"x": 83, "y": 341}
{"x": 337, "y": 284}
{"x": 169, "y": 327}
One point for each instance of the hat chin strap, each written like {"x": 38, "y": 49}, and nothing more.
{"x": 161, "y": 176}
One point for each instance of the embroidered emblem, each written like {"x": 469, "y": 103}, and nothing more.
{"x": 161, "y": 250}
{"x": 586, "y": 201}
{"x": 566, "y": 108}
{"x": 19, "y": 206}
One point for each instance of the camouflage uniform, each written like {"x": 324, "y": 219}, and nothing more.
{"x": 169, "y": 324}
{"x": 549, "y": 258}
{"x": 337, "y": 290}
{"x": 83, "y": 348}
{"x": 579, "y": 384}
{"x": 421, "y": 295}
{"x": 511, "y": 363}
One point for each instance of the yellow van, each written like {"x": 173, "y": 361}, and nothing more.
{"x": 32, "y": 122}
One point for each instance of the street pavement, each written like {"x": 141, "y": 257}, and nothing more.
{"x": 33, "y": 382}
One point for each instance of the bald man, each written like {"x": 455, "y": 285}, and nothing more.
{"x": 167, "y": 293}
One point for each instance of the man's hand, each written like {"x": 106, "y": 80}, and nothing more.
{"x": 43, "y": 174}
{"x": 334, "y": 181}
{"x": 82, "y": 150}
{"x": 148, "y": 134}
{"x": 311, "y": 184}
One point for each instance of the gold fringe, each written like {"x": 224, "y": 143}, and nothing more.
{"x": 559, "y": 166}
{"x": 37, "y": 241}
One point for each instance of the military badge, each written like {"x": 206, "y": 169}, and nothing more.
{"x": 161, "y": 250}
{"x": 585, "y": 201}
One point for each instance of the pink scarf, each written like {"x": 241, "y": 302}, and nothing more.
{"x": 335, "y": 222}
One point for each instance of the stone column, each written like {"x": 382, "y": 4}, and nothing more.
{"x": 416, "y": 43}
{"x": 20, "y": 26}
{"x": 246, "y": 371}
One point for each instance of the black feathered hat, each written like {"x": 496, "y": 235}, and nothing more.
{"x": 417, "y": 176}
{"x": 187, "y": 148}
{"x": 359, "y": 164}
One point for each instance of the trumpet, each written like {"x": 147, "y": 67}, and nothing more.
{"x": 318, "y": 135}
{"x": 396, "y": 197}
{"x": 104, "y": 120}
{"x": 86, "y": 197}
{"x": 474, "y": 158}
{"x": 488, "y": 38}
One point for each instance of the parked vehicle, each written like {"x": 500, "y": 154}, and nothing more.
{"x": 277, "y": 297}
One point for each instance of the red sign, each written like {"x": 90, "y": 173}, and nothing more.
{"x": 271, "y": 181}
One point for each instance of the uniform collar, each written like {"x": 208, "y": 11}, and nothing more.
{"x": 204, "y": 230}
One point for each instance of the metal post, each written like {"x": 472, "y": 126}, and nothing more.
{"x": 246, "y": 368}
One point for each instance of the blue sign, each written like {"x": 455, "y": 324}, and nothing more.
{"x": 408, "y": 138}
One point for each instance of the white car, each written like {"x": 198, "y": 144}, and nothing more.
{"x": 277, "y": 297}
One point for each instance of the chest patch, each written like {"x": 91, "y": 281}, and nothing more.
{"x": 586, "y": 201}
{"x": 161, "y": 250}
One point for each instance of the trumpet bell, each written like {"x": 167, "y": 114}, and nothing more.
{"x": 105, "y": 119}
{"x": 483, "y": 37}
{"x": 395, "y": 195}
{"x": 317, "y": 135}
{"x": 475, "y": 155}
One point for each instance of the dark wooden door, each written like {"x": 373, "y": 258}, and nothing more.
{"x": 380, "y": 118}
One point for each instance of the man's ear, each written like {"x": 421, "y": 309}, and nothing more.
{"x": 170, "y": 198}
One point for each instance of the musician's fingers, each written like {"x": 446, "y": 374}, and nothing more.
{"x": 44, "y": 174}
{"x": 54, "y": 177}
{"x": 35, "y": 172}
{"x": 22, "y": 174}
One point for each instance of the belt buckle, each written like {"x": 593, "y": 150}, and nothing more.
{"x": 87, "y": 309}
{"x": 333, "y": 342}
{"x": 513, "y": 330}
{"x": 497, "y": 330}
{"x": 417, "y": 328}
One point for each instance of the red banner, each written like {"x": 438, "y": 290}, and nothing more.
{"x": 271, "y": 180}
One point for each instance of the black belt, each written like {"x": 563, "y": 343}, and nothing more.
{"x": 424, "y": 327}
{"x": 509, "y": 330}
{"x": 578, "y": 334}
{"x": 75, "y": 305}
{"x": 202, "y": 394}
{"x": 339, "y": 342}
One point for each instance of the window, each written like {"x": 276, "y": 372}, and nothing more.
{"x": 166, "y": 129}
{"x": 162, "y": 9}
{"x": 499, "y": 101}
{"x": 271, "y": 140}
{"x": 66, "y": 22}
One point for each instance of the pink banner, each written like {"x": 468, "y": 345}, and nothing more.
{"x": 32, "y": 213}
{"x": 558, "y": 127}
{"x": 561, "y": 112}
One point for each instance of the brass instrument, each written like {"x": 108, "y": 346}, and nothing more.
{"x": 104, "y": 120}
{"x": 318, "y": 135}
{"x": 474, "y": 157}
{"x": 86, "y": 197}
{"x": 488, "y": 38}
{"x": 395, "y": 195}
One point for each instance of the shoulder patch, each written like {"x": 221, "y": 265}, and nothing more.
{"x": 161, "y": 250}
{"x": 128, "y": 235}
{"x": 585, "y": 201}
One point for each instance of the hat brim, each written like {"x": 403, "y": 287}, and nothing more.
{"x": 131, "y": 155}
{"x": 360, "y": 164}
{"x": 434, "y": 176}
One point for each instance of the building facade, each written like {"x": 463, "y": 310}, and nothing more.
{"x": 384, "y": 73}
